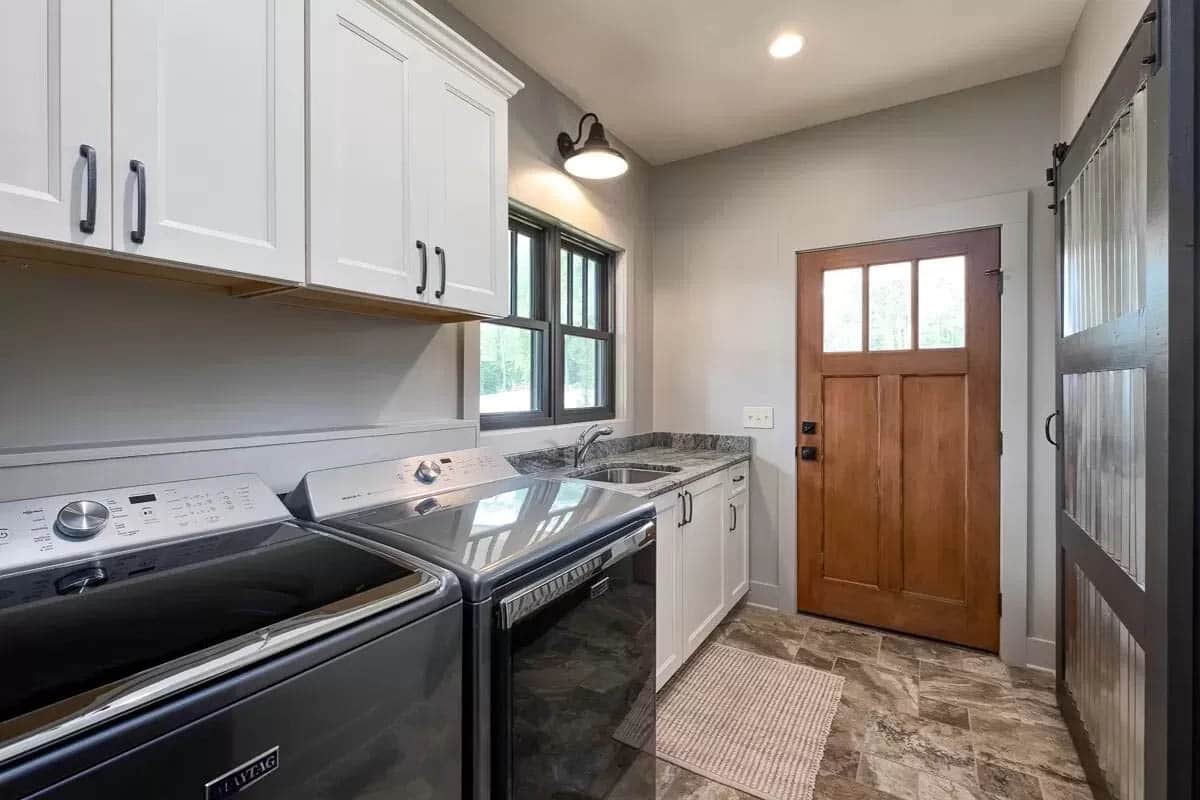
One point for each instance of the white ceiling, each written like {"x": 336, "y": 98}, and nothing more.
{"x": 677, "y": 78}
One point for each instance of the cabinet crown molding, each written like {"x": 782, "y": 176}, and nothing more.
{"x": 445, "y": 40}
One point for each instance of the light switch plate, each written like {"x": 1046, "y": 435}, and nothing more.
{"x": 758, "y": 417}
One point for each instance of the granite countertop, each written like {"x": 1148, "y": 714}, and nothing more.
{"x": 696, "y": 456}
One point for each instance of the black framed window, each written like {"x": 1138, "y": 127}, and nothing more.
{"x": 551, "y": 361}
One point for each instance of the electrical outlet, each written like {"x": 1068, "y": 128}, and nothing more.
{"x": 758, "y": 417}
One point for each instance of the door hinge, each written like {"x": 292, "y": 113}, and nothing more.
{"x": 797, "y": 453}
{"x": 1001, "y": 442}
{"x": 1000, "y": 604}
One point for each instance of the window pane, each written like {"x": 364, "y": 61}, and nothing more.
{"x": 509, "y": 369}
{"x": 564, "y": 272}
{"x": 524, "y": 277}
{"x": 842, "y": 310}
{"x": 941, "y": 302}
{"x": 593, "y": 295}
{"x": 578, "y": 266}
{"x": 583, "y": 369}
{"x": 890, "y": 306}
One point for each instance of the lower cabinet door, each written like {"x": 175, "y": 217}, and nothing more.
{"x": 737, "y": 548}
{"x": 668, "y": 654}
{"x": 702, "y": 557}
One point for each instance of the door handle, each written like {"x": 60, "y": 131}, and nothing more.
{"x": 1050, "y": 418}
{"x": 424, "y": 267}
{"x": 138, "y": 234}
{"x": 441, "y": 254}
{"x": 88, "y": 223}
{"x": 808, "y": 454}
{"x": 690, "y": 507}
{"x": 733, "y": 525}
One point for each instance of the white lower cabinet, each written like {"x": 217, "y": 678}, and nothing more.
{"x": 703, "y": 564}
{"x": 668, "y": 641}
{"x": 737, "y": 547}
{"x": 702, "y": 556}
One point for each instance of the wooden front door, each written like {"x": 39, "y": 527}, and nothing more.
{"x": 898, "y": 464}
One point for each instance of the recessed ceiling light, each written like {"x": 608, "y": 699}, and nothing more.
{"x": 786, "y": 45}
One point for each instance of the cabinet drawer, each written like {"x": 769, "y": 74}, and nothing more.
{"x": 739, "y": 478}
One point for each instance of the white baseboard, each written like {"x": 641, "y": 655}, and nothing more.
{"x": 1040, "y": 653}
{"x": 765, "y": 595}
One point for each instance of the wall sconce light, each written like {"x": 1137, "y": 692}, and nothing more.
{"x": 596, "y": 159}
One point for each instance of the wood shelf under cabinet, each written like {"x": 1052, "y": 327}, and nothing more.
{"x": 22, "y": 254}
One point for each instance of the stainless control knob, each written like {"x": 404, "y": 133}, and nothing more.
{"x": 81, "y": 519}
{"x": 428, "y": 471}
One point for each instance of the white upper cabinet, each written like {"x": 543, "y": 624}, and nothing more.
{"x": 208, "y": 133}
{"x": 54, "y": 96}
{"x": 408, "y": 158}
{"x": 469, "y": 194}
{"x": 368, "y": 209}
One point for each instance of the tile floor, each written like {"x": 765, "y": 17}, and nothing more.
{"x": 919, "y": 720}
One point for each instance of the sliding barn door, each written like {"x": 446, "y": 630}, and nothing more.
{"x": 1126, "y": 438}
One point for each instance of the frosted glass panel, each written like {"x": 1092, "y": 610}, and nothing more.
{"x": 1104, "y": 228}
{"x": 842, "y": 299}
{"x": 1106, "y": 675}
{"x": 1104, "y": 462}
{"x": 941, "y": 302}
{"x": 890, "y": 306}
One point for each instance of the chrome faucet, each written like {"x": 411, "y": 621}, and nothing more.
{"x": 587, "y": 439}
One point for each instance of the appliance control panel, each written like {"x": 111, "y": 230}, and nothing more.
{"x": 82, "y": 525}
{"x": 344, "y": 490}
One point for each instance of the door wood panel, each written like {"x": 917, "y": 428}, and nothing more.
{"x": 898, "y": 522}
{"x": 54, "y": 89}
{"x": 209, "y": 96}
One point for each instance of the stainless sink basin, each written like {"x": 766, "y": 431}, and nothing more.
{"x": 615, "y": 473}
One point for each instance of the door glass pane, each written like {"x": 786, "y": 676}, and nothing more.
{"x": 593, "y": 295}
{"x": 583, "y": 360}
{"x": 509, "y": 369}
{"x": 578, "y": 267}
{"x": 524, "y": 277}
{"x": 890, "y": 306}
{"x": 941, "y": 302}
{"x": 842, "y": 310}
{"x": 564, "y": 272}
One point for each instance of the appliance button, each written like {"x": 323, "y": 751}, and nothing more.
{"x": 428, "y": 471}
{"x": 81, "y": 519}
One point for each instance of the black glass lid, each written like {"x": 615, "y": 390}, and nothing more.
{"x": 70, "y": 629}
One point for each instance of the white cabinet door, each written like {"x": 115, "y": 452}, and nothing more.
{"x": 702, "y": 557}
{"x": 668, "y": 633}
{"x": 737, "y": 548}
{"x": 468, "y": 199}
{"x": 367, "y": 75}
{"x": 54, "y": 100}
{"x": 208, "y": 96}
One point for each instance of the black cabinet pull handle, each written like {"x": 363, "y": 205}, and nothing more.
{"x": 683, "y": 511}
{"x": 424, "y": 267}
{"x": 441, "y": 254}
{"x": 691, "y": 507}
{"x": 739, "y": 479}
{"x": 733, "y": 525}
{"x": 1050, "y": 419}
{"x": 138, "y": 234}
{"x": 88, "y": 223}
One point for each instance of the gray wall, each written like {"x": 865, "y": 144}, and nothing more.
{"x": 727, "y": 226}
{"x": 90, "y": 358}
{"x": 1103, "y": 29}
